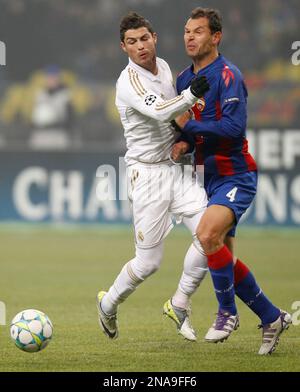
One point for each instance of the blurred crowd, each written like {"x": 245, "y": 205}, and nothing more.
{"x": 73, "y": 46}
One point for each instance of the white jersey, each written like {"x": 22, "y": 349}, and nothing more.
{"x": 146, "y": 104}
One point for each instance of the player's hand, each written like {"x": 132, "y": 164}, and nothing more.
{"x": 183, "y": 119}
{"x": 199, "y": 86}
{"x": 178, "y": 150}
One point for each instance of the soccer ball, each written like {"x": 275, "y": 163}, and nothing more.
{"x": 31, "y": 330}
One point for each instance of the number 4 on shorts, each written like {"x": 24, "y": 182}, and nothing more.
{"x": 231, "y": 194}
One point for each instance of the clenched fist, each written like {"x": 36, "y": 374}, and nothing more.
{"x": 179, "y": 149}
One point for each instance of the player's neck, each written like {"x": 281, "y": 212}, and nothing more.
{"x": 200, "y": 63}
{"x": 152, "y": 67}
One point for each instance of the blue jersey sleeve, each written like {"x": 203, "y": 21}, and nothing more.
{"x": 233, "y": 96}
{"x": 179, "y": 85}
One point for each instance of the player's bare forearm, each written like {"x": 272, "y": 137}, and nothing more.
{"x": 183, "y": 119}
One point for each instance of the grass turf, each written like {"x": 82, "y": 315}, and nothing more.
{"x": 59, "y": 272}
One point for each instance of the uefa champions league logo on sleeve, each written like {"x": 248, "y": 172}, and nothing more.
{"x": 2, "y": 53}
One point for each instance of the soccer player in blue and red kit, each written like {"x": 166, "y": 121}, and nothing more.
{"x": 217, "y": 132}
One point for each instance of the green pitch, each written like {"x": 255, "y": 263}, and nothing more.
{"x": 60, "y": 271}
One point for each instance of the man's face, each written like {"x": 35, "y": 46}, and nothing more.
{"x": 140, "y": 45}
{"x": 198, "y": 39}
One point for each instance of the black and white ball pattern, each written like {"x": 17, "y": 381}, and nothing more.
{"x": 150, "y": 99}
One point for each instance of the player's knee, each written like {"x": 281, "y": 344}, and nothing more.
{"x": 198, "y": 246}
{"x": 150, "y": 267}
{"x": 148, "y": 261}
{"x": 145, "y": 268}
{"x": 210, "y": 240}
{"x": 152, "y": 264}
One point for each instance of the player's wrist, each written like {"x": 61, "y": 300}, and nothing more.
{"x": 191, "y": 98}
{"x": 176, "y": 127}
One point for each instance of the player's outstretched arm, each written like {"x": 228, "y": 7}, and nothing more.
{"x": 132, "y": 92}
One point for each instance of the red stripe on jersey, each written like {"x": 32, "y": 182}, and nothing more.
{"x": 223, "y": 158}
{"x": 199, "y": 141}
{"x": 199, "y": 157}
{"x": 199, "y": 153}
{"x": 224, "y": 165}
{"x": 227, "y": 75}
{"x": 250, "y": 162}
{"x": 218, "y": 111}
{"x": 197, "y": 112}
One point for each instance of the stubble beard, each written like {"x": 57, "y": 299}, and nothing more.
{"x": 203, "y": 53}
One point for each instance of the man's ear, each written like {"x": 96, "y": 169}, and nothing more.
{"x": 155, "y": 37}
{"x": 123, "y": 47}
{"x": 217, "y": 38}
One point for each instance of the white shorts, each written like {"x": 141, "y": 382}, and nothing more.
{"x": 157, "y": 193}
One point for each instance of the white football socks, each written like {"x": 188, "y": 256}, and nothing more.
{"x": 195, "y": 269}
{"x": 146, "y": 262}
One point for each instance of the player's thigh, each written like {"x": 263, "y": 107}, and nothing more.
{"x": 152, "y": 223}
{"x": 234, "y": 192}
{"x": 189, "y": 197}
{"x": 191, "y": 222}
{"x": 216, "y": 221}
{"x": 150, "y": 209}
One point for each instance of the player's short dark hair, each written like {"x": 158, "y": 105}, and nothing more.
{"x": 214, "y": 17}
{"x": 133, "y": 21}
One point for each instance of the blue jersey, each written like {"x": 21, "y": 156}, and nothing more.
{"x": 219, "y": 128}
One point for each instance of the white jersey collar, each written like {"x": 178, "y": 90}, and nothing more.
{"x": 145, "y": 72}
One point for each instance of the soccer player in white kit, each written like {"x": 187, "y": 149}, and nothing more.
{"x": 158, "y": 190}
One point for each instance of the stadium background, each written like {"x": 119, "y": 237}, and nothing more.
{"x": 57, "y": 187}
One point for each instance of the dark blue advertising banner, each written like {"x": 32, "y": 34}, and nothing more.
{"x": 62, "y": 187}
{"x": 90, "y": 187}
